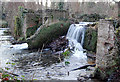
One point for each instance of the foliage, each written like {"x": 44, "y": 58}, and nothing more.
{"x": 91, "y": 17}
{"x": 18, "y": 27}
{"x": 21, "y": 11}
{"x": 63, "y": 19}
{"x": 19, "y": 19}
{"x": 67, "y": 62}
{"x": 119, "y": 15}
{"x": 66, "y": 53}
{"x": 90, "y": 40}
{"x": 47, "y": 34}
{"x": 116, "y": 24}
{"x": 6, "y": 76}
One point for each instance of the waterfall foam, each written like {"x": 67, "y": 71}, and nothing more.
{"x": 75, "y": 36}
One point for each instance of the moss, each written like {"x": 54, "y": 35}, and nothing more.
{"x": 47, "y": 34}
{"x": 19, "y": 19}
{"x": 31, "y": 30}
{"x": 17, "y": 28}
{"x": 90, "y": 40}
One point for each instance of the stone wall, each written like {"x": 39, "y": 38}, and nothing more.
{"x": 107, "y": 50}
{"x": 11, "y": 10}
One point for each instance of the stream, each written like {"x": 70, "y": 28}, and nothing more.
{"x": 30, "y": 65}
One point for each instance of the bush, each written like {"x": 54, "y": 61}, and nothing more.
{"x": 91, "y": 17}
{"x": 90, "y": 40}
{"x": 47, "y": 34}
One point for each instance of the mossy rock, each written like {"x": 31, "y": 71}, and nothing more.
{"x": 90, "y": 40}
{"x": 47, "y": 34}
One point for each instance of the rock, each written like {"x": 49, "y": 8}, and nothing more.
{"x": 91, "y": 56}
{"x": 107, "y": 55}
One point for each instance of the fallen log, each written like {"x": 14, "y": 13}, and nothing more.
{"x": 84, "y": 67}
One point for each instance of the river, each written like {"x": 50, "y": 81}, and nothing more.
{"x": 31, "y": 65}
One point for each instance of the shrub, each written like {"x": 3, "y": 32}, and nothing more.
{"x": 90, "y": 40}
{"x": 91, "y": 17}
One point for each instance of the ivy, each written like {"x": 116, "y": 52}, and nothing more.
{"x": 19, "y": 20}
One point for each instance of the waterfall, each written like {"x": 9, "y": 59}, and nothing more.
{"x": 75, "y": 36}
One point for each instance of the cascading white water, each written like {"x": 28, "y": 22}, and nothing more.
{"x": 75, "y": 36}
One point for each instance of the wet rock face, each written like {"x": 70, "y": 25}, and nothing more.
{"x": 107, "y": 50}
